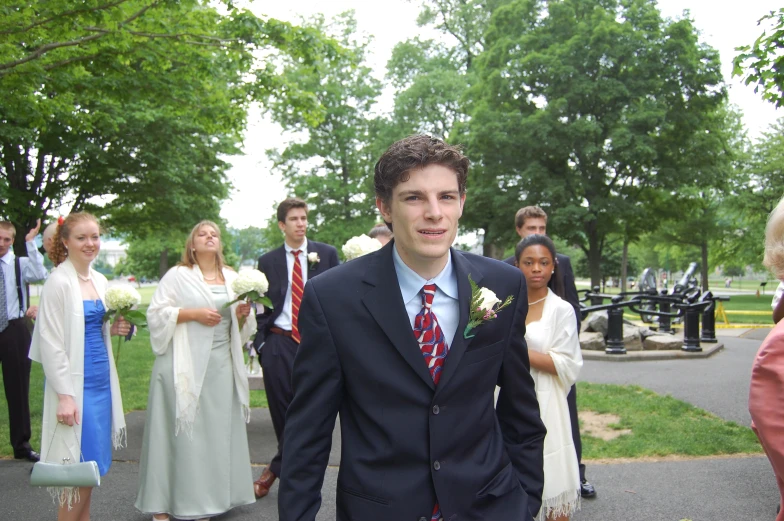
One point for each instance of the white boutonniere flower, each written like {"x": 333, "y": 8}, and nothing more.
{"x": 359, "y": 246}
{"x": 313, "y": 259}
{"x": 485, "y": 306}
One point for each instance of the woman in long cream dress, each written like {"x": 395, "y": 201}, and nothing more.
{"x": 195, "y": 462}
{"x": 554, "y": 354}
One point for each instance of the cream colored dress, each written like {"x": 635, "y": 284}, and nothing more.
{"x": 208, "y": 474}
{"x": 555, "y": 334}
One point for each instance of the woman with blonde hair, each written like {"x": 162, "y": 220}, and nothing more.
{"x": 83, "y": 413}
{"x": 195, "y": 462}
{"x": 766, "y": 393}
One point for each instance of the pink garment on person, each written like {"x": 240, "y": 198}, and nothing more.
{"x": 766, "y": 403}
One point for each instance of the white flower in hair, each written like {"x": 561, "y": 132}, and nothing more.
{"x": 359, "y": 246}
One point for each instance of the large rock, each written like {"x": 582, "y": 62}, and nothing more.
{"x": 632, "y": 340}
{"x": 591, "y": 341}
{"x": 645, "y": 333}
{"x": 662, "y": 343}
{"x": 597, "y": 322}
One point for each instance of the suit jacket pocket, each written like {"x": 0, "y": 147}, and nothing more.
{"x": 502, "y": 483}
{"x": 362, "y": 495}
{"x": 474, "y": 356}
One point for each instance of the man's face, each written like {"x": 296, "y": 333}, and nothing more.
{"x": 6, "y": 241}
{"x": 295, "y": 226}
{"x": 531, "y": 226}
{"x": 424, "y": 212}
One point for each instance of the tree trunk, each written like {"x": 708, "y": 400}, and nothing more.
{"x": 163, "y": 266}
{"x": 624, "y": 264}
{"x": 704, "y": 267}
{"x": 594, "y": 260}
{"x": 492, "y": 250}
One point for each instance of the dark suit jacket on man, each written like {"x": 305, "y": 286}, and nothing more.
{"x": 406, "y": 443}
{"x": 273, "y": 265}
{"x": 570, "y": 290}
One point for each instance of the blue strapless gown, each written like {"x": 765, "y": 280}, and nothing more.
{"x": 97, "y": 407}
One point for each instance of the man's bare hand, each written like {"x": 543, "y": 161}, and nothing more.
{"x": 31, "y": 235}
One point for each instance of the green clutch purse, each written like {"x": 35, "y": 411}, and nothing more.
{"x": 65, "y": 474}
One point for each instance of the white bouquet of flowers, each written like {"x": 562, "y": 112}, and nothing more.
{"x": 359, "y": 246}
{"x": 251, "y": 286}
{"x": 121, "y": 301}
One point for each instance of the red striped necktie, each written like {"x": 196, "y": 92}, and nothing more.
{"x": 433, "y": 346}
{"x": 297, "y": 289}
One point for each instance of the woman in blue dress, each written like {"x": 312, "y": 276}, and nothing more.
{"x": 83, "y": 415}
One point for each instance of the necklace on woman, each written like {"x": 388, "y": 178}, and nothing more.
{"x": 537, "y": 301}
{"x": 82, "y": 277}
{"x": 209, "y": 279}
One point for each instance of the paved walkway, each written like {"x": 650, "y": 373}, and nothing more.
{"x": 700, "y": 490}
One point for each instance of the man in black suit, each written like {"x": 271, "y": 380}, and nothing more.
{"x": 533, "y": 220}
{"x": 287, "y": 268}
{"x": 386, "y": 343}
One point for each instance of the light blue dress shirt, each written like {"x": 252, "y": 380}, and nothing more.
{"x": 446, "y": 304}
{"x": 31, "y": 269}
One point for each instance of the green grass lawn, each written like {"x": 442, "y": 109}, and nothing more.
{"x": 660, "y": 425}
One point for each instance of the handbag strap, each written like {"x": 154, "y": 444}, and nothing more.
{"x": 77, "y": 441}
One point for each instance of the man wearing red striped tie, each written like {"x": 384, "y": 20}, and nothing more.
{"x": 287, "y": 268}
{"x": 407, "y": 344}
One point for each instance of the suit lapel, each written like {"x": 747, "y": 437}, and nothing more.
{"x": 385, "y": 304}
{"x": 463, "y": 268}
{"x": 281, "y": 269}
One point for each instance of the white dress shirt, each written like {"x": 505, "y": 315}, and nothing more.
{"x": 31, "y": 269}
{"x": 284, "y": 319}
{"x": 446, "y": 305}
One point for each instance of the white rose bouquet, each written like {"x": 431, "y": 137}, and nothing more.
{"x": 359, "y": 246}
{"x": 121, "y": 301}
{"x": 250, "y": 286}
{"x": 485, "y": 306}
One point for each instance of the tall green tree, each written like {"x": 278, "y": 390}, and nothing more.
{"x": 133, "y": 100}
{"x": 583, "y": 107}
{"x": 762, "y": 63}
{"x": 333, "y": 168}
{"x": 432, "y": 79}
{"x": 755, "y": 192}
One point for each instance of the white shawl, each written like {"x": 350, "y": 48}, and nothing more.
{"x": 58, "y": 344}
{"x": 191, "y": 342}
{"x": 562, "y": 344}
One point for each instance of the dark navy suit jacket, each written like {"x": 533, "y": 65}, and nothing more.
{"x": 273, "y": 265}
{"x": 405, "y": 442}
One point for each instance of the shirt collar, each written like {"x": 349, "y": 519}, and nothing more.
{"x": 411, "y": 282}
{"x": 303, "y": 248}
{"x": 8, "y": 258}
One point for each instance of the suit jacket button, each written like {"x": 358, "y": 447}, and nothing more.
{"x": 436, "y": 410}
{"x": 437, "y": 465}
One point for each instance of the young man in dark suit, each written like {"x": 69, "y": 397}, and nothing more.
{"x": 287, "y": 268}
{"x": 533, "y": 220}
{"x": 386, "y": 343}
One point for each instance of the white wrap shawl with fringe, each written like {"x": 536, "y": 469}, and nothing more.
{"x": 58, "y": 344}
{"x": 191, "y": 342}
